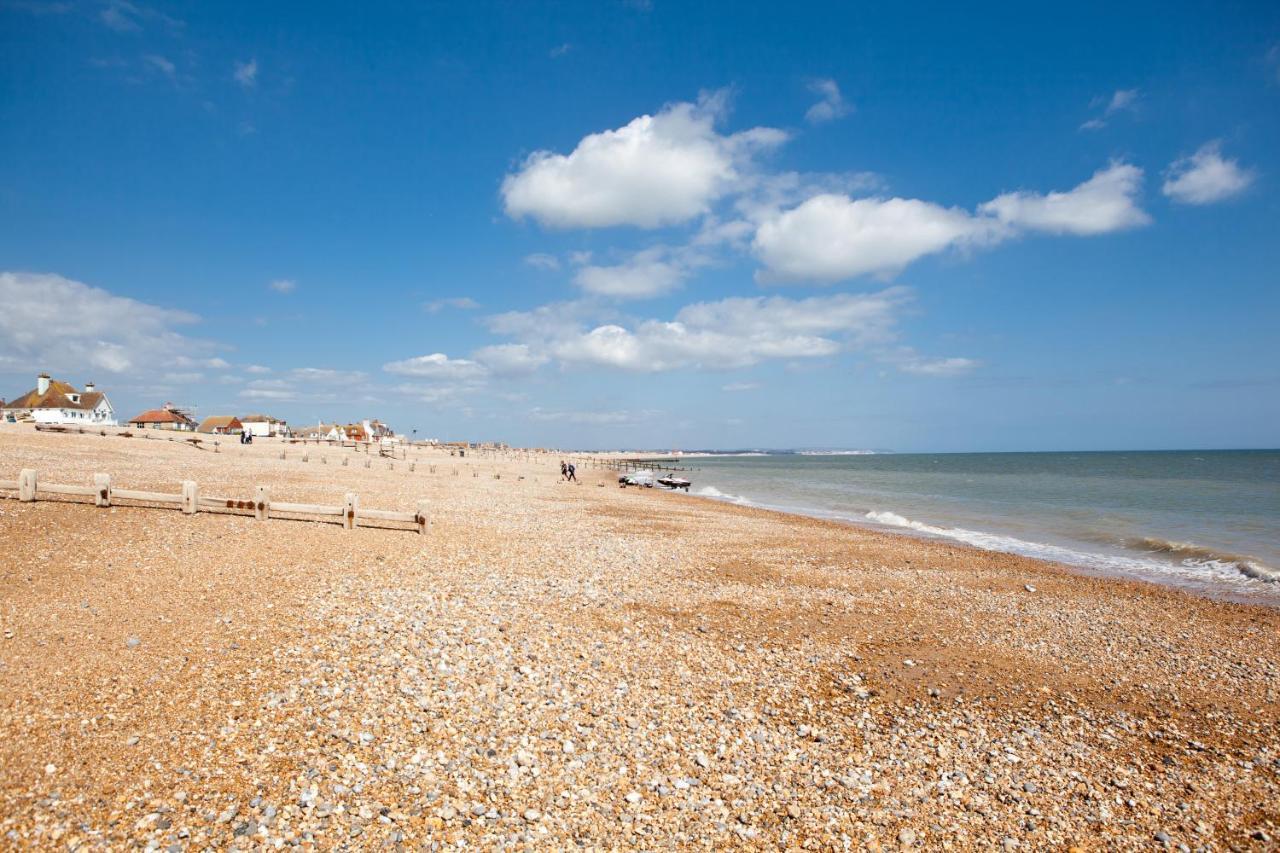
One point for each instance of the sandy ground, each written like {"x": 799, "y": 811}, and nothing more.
{"x": 564, "y": 665}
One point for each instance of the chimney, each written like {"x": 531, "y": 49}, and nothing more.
{"x": 88, "y": 387}
{"x": 42, "y": 384}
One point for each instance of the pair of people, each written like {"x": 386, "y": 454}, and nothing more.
{"x": 246, "y": 438}
{"x": 568, "y": 472}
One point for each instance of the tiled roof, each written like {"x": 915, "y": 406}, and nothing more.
{"x": 219, "y": 422}
{"x": 57, "y": 397}
{"x": 160, "y": 416}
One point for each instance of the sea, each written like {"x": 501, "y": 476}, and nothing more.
{"x": 1206, "y": 521}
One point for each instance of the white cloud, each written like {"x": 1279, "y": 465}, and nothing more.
{"x": 257, "y": 368}
{"x": 740, "y": 386}
{"x": 1206, "y": 177}
{"x": 656, "y": 170}
{"x": 542, "y": 261}
{"x": 645, "y": 274}
{"x": 436, "y": 366}
{"x": 1106, "y": 202}
{"x": 832, "y": 104}
{"x": 216, "y": 363}
{"x": 327, "y": 376}
{"x": 737, "y": 332}
{"x": 510, "y": 359}
{"x": 283, "y": 285}
{"x": 1119, "y": 101}
{"x": 245, "y": 73}
{"x": 51, "y": 322}
{"x": 909, "y": 361}
{"x": 832, "y": 237}
{"x": 462, "y": 303}
{"x": 560, "y": 50}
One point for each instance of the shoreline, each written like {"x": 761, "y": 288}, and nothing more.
{"x": 556, "y": 665}
{"x": 1198, "y": 589}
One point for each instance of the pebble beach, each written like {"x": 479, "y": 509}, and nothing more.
{"x": 579, "y": 666}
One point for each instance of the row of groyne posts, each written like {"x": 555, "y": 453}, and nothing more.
{"x": 28, "y": 488}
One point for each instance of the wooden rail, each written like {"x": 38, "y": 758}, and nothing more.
{"x": 29, "y": 488}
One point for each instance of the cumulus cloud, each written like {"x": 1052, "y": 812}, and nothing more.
{"x": 436, "y": 366}
{"x": 283, "y": 285}
{"x": 740, "y": 386}
{"x": 257, "y": 368}
{"x": 51, "y": 322}
{"x": 245, "y": 73}
{"x": 510, "y": 359}
{"x": 1206, "y": 177}
{"x": 645, "y": 274}
{"x": 656, "y": 170}
{"x": 1106, "y": 202}
{"x": 737, "y": 332}
{"x": 832, "y": 237}
{"x": 831, "y": 105}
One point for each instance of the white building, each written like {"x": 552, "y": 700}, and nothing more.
{"x": 264, "y": 426}
{"x": 55, "y": 402}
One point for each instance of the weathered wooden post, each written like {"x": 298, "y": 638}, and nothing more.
{"x": 391, "y": 466}
{"x": 322, "y": 461}
{"x": 344, "y": 462}
{"x": 306, "y": 456}
{"x": 411, "y": 466}
{"x": 422, "y": 519}
{"x": 27, "y": 485}
{"x": 367, "y": 462}
{"x": 349, "y": 513}
{"x": 102, "y": 490}
{"x": 215, "y": 445}
{"x": 281, "y": 454}
{"x": 190, "y": 497}
{"x": 262, "y": 505}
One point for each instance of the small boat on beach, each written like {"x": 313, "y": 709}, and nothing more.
{"x": 673, "y": 482}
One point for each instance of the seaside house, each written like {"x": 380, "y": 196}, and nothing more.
{"x": 319, "y": 431}
{"x": 264, "y": 426}
{"x": 222, "y": 425}
{"x": 56, "y": 402}
{"x": 167, "y": 416}
{"x": 377, "y": 431}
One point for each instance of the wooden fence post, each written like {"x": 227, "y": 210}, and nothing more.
{"x": 190, "y": 497}
{"x": 367, "y": 462}
{"x": 422, "y": 519}
{"x": 349, "y": 513}
{"x": 322, "y": 461}
{"x": 281, "y": 454}
{"x": 305, "y": 456}
{"x": 262, "y": 506}
{"x": 102, "y": 487}
{"x": 27, "y": 485}
{"x": 411, "y": 466}
{"x": 344, "y": 462}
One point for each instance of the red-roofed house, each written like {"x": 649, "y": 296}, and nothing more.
{"x": 166, "y": 417}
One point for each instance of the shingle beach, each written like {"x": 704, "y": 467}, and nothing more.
{"x": 558, "y": 666}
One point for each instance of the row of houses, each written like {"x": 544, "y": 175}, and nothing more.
{"x": 55, "y": 402}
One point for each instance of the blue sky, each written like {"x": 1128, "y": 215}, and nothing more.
{"x": 614, "y": 224}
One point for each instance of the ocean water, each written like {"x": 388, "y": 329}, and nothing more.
{"x": 1208, "y": 521}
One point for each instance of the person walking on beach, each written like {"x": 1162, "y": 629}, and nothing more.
{"x": 573, "y": 477}
{"x": 564, "y": 470}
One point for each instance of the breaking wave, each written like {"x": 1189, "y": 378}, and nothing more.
{"x": 1186, "y": 556}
